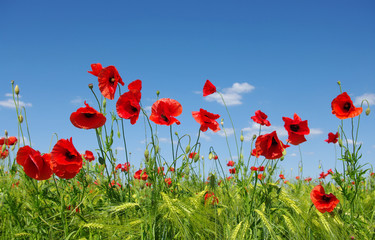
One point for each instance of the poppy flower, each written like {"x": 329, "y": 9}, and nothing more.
{"x": 108, "y": 79}
{"x": 330, "y": 171}
{"x": 230, "y": 163}
{"x": 4, "y": 154}
{"x": 261, "y": 168}
{"x": 66, "y": 161}
{"x": 229, "y": 178}
{"x": 34, "y": 164}
{"x": 322, "y": 201}
{"x": 308, "y": 179}
{"x": 208, "y": 88}
{"x": 296, "y": 129}
{"x": 8, "y": 141}
{"x": 332, "y": 138}
{"x": 192, "y": 155}
{"x": 232, "y": 171}
{"x": 297, "y": 177}
{"x": 171, "y": 169}
{"x": 253, "y": 168}
{"x": 164, "y": 111}
{"x": 282, "y": 176}
{"x": 137, "y": 175}
{"x": 269, "y": 146}
{"x": 206, "y": 120}
{"x": 127, "y": 105}
{"x": 168, "y": 181}
{"x": 261, "y": 118}
{"x": 323, "y": 175}
{"x": 215, "y": 157}
{"x": 209, "y": 196}
{"x": 260, "y": 176}
{"x": 160, "y": 170}
{"x": 342, "y": 106}
{"x": 89, "y": 156}
{"x": 87, "y": 118}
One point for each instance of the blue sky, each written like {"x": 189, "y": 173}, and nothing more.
{"x": 282, "y": 57}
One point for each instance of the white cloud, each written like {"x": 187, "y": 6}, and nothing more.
{"x": 315, "y": 131}
{"x": 9, "y": 103}
{"x": 233, "y": 95}
{"x": 370, "y": 97}
{"x": 205, "y": 136}
{"x": 77, "y": 101}
{"x": 293, "y": 155}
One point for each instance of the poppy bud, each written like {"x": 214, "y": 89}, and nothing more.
{"x": 3, "y": 148}
{"x": 187, "y": 148}
{"x": 17, "y": 90}
{"x": 147, "y": 153}
{"x": 101, "y": 161}
{"x": 196, "y": 157}
{"x": 368, "y": 111}
{"x": 241, "y": 156}
{"x": 202, "y": 157}
{"x": 210, "y": 156}
{"x": 118, "y": 134}
{"x": 12, "y": 82}
{"x": 104, "y": 102}
{"x": 157, "y": 93}
{"x": 282, "y": 158}
{"x": 156, "y": 149}
{"x": 20, "y": 118}
{"x": 91, "y": 85}
{"x": 13, "y": 147}
{"x": 320, "y": 166}
{"x": 241, "y": 138}
{"x": 222, "y": 122}
{"x": 340, "y": 142}
{"x": 254, "y": 136}
{"x": 339, "y": 83}
{"x": 6, "y": 133}
{"x": 176, "y": 133}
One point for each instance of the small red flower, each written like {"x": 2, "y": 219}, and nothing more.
{"x": 286, "y": 181}
{"x": 332, "y": 138}
{"x": 127, "y": 105}
{"x": 261, "y": 118}
{"x": 323, "y": 175}
{"x": 208, "y": 88}
{"x": 206, "y": 120}
{"x": 8, "y": 141}
{"x": 232, "y": 171}
{"x": 297, "y": 177}
{"x": 230, "y": 163}
{"x": 148, "y": 184}
{"x": 192, "y": 155}
{"x": 281, "y": 176}
{"x": 261, "y": 168}
{"x": 330, "y": 171}
{"x": 215, "y": 157}
{"x": 209, "y": 196}
{"x": 124, "y": 167}
{"x": 168, "y": 181}
{"x": 296, "y": 129}
{"x": 269, "y": 146}
{"x": 89, "y": 156}
{"x": 87, "y": 118}
{"x": 372, "y": 174}
{"x": 108, "y": 79}
{"x": 260, "y": 176}
{"x": 342, "y": 106}
{"x": 253, "y": 168}
{"x": 229, "y": 178}
{"x": 138, "y": 175}
{"x": 164, "y": 111}
{"x": 308, "y": 179}
{"x": 160, "y": 170}
{"x": 66, "y": 161}
{"x": 322, "y": 201}
{"x": 171, "y": 169}
{"x": 34, "y": 164}
{"x": 4, "y": 154}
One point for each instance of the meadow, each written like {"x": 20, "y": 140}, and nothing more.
{"x": 64, "y": 194}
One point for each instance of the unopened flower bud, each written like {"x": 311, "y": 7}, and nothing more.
{"x": 176, "y": 133}
{"x": 196, "y": 157}
{"x": 254, "y": 136}
{"x": 320, "y": 166}
{"x": 340, "y": 142}
{"x": 157, "y": 93}
{"x": 368, "y": 111}
{"x": 339, "y": 83}
{"x": 13, "y": 147}
{"x": 118, "y": 134}
{"x": 147, "y": 153}
{"x": 3, "y": 147}
{"x": 222, "y": 122}
{"x": 6, "y": 133}
{"x": 210, "y": 156}
{"x": 282, "y": 158}
{"x": 12, "y": 82}
{"x": 156, "y": 149}
{"x": 91, "y": 85}
{"x": 20, "y": 118}
{"x": 187, "y": 149}
{"x": 202, "y": 157}
{"x": 17, "y": 90}
{"x": 242, "y": 137}
{"x": 104, "y": 102}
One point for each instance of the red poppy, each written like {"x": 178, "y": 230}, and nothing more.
{"x": 296, "y": 129}
{"x": 160, "y": 170}
{"x": 330, "y": 171}
{"x": 171, "y": 169}
{"x": 34, "y": 164}
{"x": 208, "y": 88}
{"x": 8, "y": 141}
{"x": 215, "y": 157}
{"x": 253, "y": 168}
{"x": 127, "y": 105}
{"x": 260, "y": 176}
{"x": 229, "y": 178}
{"x": 66, "y": 161}
{"x": 323, "y": 175}
{"x": 261, "y": 118}
{"x": 138, "y": 175}
{"x": 87, "y": 118}
{"x": 286, "y": 181}
{"x": 261, "y": 168}
{"x": 342, "y": 106}
{"x": 230, "y": 163}
{"x": 3, "y": 154}
{"x": 332, "y": 138}
{"x": 168, "y": 181}
{"x": 297, "y": 177}
{"x": 124, "y": 167}
{"x": 108, "y": 79}
{"x": 308, "y": 179}
{"x": 206, "y": 120}
{"x": 232, "y": 171}
{"x": 269, "y": 146}
{"x": 322, "y": 201}
{"x": 148, "y": 184}
{"x": 372, "y": 174}
{"x": 164, "y": 111}
{"x": 192, "y": 154}
{"x": 89, "y": 156}
{"x": 209, "y": 196}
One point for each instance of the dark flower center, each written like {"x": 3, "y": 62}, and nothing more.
{"x": 347, "y": 106}
{"x": 112, "y": 79}
{"x": 69, "y": 155}
{"x": 274, "y": 142}
{"x": 89, "y": 115}
{"x": 164, "y": 117}
{"x": 326, "y": 198}
{"x": 134, "y": 109}
{"x": 294, "y": 127}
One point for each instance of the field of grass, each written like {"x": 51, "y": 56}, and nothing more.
{"x": 66, "y": 195}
